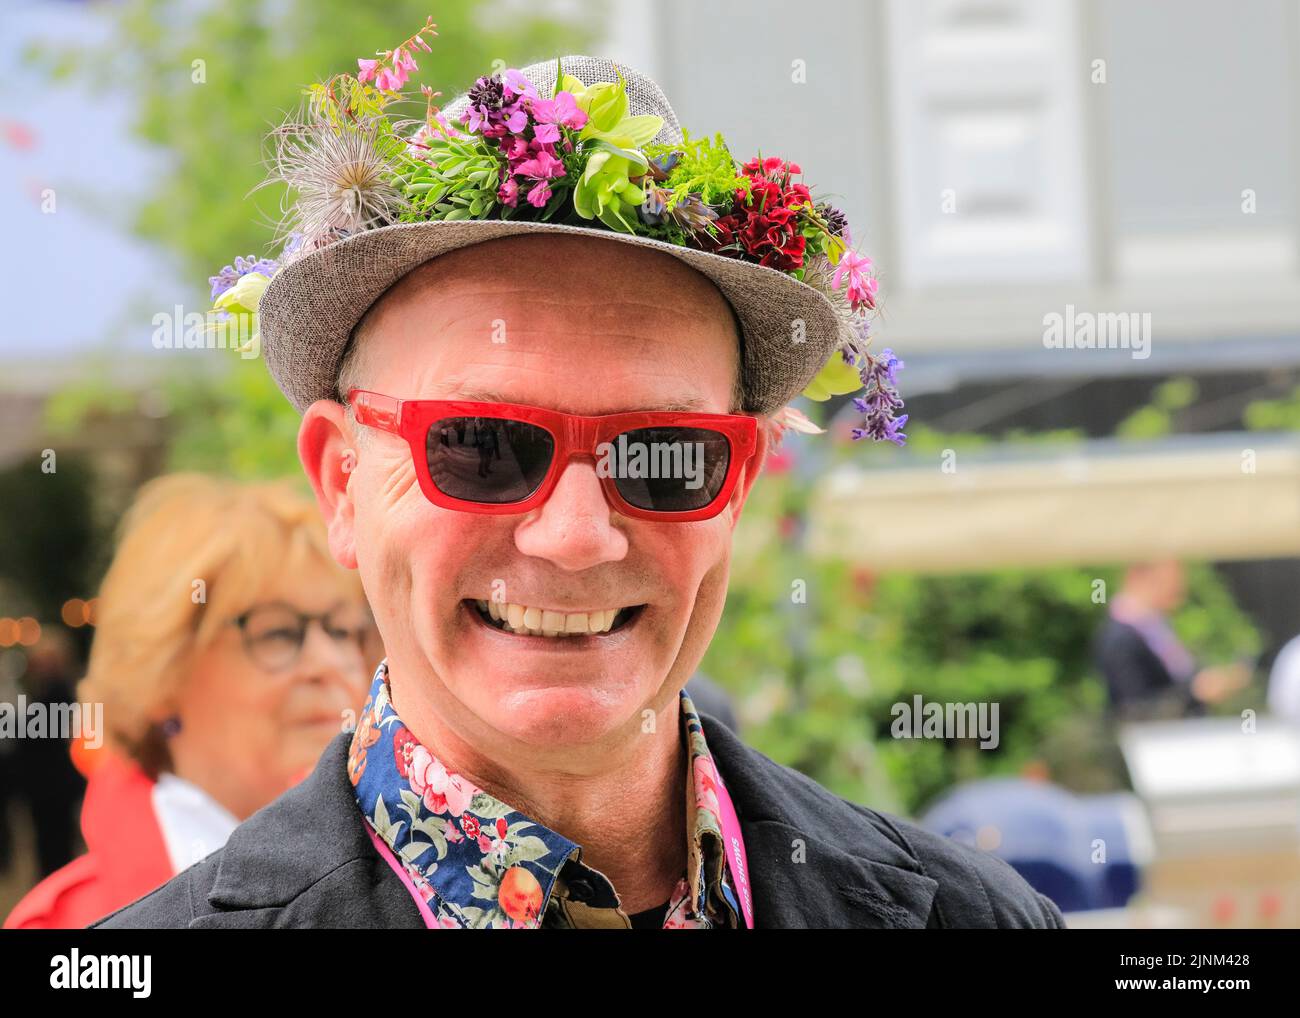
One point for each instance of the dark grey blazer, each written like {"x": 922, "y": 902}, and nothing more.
{"x": 815, "y": 860}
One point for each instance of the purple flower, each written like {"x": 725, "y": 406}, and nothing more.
{"x": 231, "y": 274}
{"x": 517, "y": 82}
{"x": 495, "y": 108}
{"x": 515, "y": 119}
{"x": 836, "y": 221}
{"x": 885, "y": 368}
{"x": 881, "y": 403}
{"x": 485, "y": 98}
{"x": 882, "y": 429}
{"x": 881, "y": 400}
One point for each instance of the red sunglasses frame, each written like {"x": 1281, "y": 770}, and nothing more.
{"x": 575, "y": 436}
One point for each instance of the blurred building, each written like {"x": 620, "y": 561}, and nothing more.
{"x": 1025, "y": 174}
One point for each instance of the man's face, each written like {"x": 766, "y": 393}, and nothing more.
{"x": 572, "y": 324}
{"x": 1169, "y": 581}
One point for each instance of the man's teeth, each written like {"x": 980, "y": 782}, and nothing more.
{"x": 521, "y": 618}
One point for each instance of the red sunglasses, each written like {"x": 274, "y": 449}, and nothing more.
{"x": 500, "y": 458}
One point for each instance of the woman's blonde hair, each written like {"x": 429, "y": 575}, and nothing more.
{"x": 193, "y": 552}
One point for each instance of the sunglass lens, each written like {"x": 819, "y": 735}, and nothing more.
{"x": 487, "y": 459}
{"x": 670, "y": 469}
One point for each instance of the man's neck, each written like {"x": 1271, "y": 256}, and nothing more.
{"x": 628, "y": 813}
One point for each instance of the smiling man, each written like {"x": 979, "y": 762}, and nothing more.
{"x": 533, "y": 429}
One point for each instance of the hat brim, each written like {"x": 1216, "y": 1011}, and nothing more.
{"x": 308, "y": 312}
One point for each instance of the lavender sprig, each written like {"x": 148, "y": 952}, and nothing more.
{"x": 881, "y": 403}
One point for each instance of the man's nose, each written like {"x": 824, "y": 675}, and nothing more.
{"x": 574, "y": 527}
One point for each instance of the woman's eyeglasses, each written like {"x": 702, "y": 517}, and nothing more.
{"x": 273, "y": 634}
{"x": 500, "y": 458}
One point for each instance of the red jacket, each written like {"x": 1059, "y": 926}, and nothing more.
{"x": 126, "y": 856}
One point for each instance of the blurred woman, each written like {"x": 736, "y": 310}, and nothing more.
{"x": 228, "y": 651}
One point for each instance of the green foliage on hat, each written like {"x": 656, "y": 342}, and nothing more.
{"x": 457, "y": 178}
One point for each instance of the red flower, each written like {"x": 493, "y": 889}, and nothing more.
{"x": 763, "y": 226}
{"x": 501, "y": 827}
{"x": 469, "y": 825}
{"x": 771, "y": 167}
{"x": 404, "y": 744}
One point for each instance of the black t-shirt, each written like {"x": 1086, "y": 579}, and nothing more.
{"x": 650, "y": 919}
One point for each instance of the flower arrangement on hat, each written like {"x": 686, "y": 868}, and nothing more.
{"x": 577, "y": 157}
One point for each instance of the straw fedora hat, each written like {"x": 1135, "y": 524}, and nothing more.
{"x": 308, "y": 311}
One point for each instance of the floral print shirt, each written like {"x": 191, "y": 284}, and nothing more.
{"x": 479, "y": 863}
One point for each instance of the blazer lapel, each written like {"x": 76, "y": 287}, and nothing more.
{"x": 816, "y": 860}
{"x": 307, "y": 853}
{"x": 802, "y": 882}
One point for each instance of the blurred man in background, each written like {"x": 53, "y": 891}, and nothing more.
{"x": 1149, "y": 672}
{"x": 43, "y": 777}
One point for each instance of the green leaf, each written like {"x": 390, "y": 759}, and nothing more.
{"x": 611, "y": 146}
{"x": 640, "y": 130}
{"x": 612, "y": 216}
{"x": 527, "y": 849}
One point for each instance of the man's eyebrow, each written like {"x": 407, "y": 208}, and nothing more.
{"x": 690, "y": 404}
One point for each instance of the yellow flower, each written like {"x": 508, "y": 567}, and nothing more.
{"x": 242, "y": 298}
{"x": 834, "y": 379}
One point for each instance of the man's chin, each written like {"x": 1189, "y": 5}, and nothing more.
{"x": 552, "y": 717}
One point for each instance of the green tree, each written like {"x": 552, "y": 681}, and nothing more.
{"x": 817, "y": 653}
{"x": 208, "y": 81}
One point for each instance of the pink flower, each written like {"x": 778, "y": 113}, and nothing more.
{"x": 540, "y": 194}
{"x": 548, "y": 134}
{"x": 516, "y": 121}
{"x": 391, "y": 79}
{"x": 561, "y": 110}
{"x": 543, "y": 166}
{"x": 441, "y": 791}
{"x": 447, "y": 128}
{"x": 706, "y": 785}
{"x": 489, "y": 845}
{"x": 367, "y": 71}
{"x": 421, "y": 884}
{"x": 516, "y": 148}
{"x": 519, "y": 83}
{"x": 508, "y": 193}
{"x": 862, "y": 285}
{"x": 403, "y": 59}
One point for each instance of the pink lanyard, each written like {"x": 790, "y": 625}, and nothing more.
{"x": 733, "y": 844}
{"x": 382, "y": 848}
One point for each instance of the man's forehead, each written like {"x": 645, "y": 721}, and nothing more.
{"x": 456, "y": 389}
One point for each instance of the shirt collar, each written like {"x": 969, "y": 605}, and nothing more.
{"x": 480, "y": 863}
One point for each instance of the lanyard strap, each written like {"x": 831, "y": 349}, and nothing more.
{"x": 382, "y": 848}
{"x": 733, "y": 845}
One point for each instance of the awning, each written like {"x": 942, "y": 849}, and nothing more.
{"x": 1216, "y": 498}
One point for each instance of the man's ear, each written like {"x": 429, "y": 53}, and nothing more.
{"x": 751, "y": 470}
{"x": 329, "y": 458}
